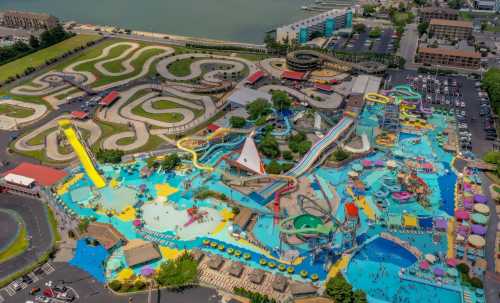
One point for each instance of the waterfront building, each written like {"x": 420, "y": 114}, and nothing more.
{"x": 450, "y": 29}
{"x": 324, "y": 24}
{"x": 426, "y": 14}
{"x": 29, "y": 20}
{"x": 448, "y": 57}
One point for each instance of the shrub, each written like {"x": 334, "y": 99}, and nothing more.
{"x": 139, "y": 285}
{"x": 339, "y": 155}
{"x": 126, "y": 287}
{"x": 463, "y": 268}
{"x": 237, "y": 122}
{"x": 115, "y": 285}
{"x": 287, "y": 155}
{"x": 476, "y": 282}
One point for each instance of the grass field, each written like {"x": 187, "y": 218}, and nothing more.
{"x": 181, "y": 68}
{"x": 15, "y": 111}
{"x": 164, "y": 117}
{"x": 38, "y": 58}
{"x": 16, "y": 247}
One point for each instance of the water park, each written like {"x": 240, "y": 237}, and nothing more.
{"x": 303, "y": 188}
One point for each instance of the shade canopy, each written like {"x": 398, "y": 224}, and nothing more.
{"x": 431, "y": 258}
{"x": 482, "y": 208}
{"x": 391, "y": 164}
{"x": 476, "y": 241}
{"x": 462, "y": 215}
{"x": 480, "y": 199}
{"x": 114, "y": 264}
{"x": 452, "y": 272}
{"x": 478, "y": 229}
{"x": 357, "y": 167}
{"x": 424, "y": 265}
{"x": 367, "y": 163}
{"x": 452, "y": 262}
{"x": 438, "y": 271}
{"x": 137, "y": 222}
{"x": 379, "y": 163}
{"x": 352, "y": 174}
{"x": 147, "y": 271}
{"x": 441, "y": 223}
{"x": 468, "y": 200}
{"x": 479, "y": 218}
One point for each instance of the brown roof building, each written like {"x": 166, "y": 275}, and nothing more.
{"x": 138, "y": 252}
{"x": 108, "y": 236}
{"x": 448, "y": 57}
{"x": 243, "y": 218}
{"x": 450, "y": 29}
{"x": 432, "y": 12}
{"x": 29, "y": 20}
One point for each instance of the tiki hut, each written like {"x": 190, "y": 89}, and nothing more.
{"x": 138, "y": 252}
{"x": 257, "y": 276}
{"x": 108, "y": 236}
{"x": 279, "y": 283}
{"x": 215, "y": 262}
{"x": 235, "y": 269}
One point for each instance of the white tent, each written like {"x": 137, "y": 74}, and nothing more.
{"x": 250, "y": 157}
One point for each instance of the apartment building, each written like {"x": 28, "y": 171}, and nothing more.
{"x": 450, "y": 29}
{"x": 448, "y": 57}
{"x": 426, "y": 14}
{"x": 29, "y": 20}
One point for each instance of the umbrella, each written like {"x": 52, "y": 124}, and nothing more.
{"x": 468, "y": 200}
{"x": 379, "y": 163}
{"x": 147, "y": 271}
{"x": 479, "y": 218}
{"x": 391, "y": 164}
{"x": 460, "y": 238}
{"x": 480, "y": 199}
{"x": 438, "y": 271}
{"x": 137, "y": 223}
{"x": 441, "y": 223}
{"x": 462, "y": 215}
{"x": 478, "y": 229}
{"x": 424, "y": 265}
{"x": 452, "y": 262}
{"x": 431, "y": 258}
{"x": 469, "y": 205}
{"x": 366, "y": 163}
{"x": 352, "y": 174}
{"x": 482, "y": 208}
{"x": 142, "y": 187}
{"x": 477, "y": 241}
{"x": 452, "y": 272}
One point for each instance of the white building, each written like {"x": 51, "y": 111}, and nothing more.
{"x": 490, "y": 5}
{"x": 325, "y": 24}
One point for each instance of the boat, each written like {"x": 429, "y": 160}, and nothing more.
{"x": 304, "y": 7}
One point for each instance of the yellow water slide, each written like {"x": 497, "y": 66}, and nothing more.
{"x": 374, "y": 97}
{"x": 82, "y": 153}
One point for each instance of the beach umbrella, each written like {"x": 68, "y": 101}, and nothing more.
{"x": 147, "y": 271}
{"x": 391, "y": 164}
{"x": 431, "y": 258}
{"x": 462, "y": 215}
{"x": 379, "y": 163}
{"x": 452, "y": 262}
{"x": 424, "y": 265}
{"x": 352, "y": 174}
{"x": 366, "y": 163}
{"x": 476, "y": 241}
{"x": 479, "y": 218}
{"x": 482, "y": 208}
{"x": 438, "y": 271}
{"x": 441, "y": 224}
{"x": 452, "y": 272}
{"x": 137, "y": 223}
{"x": 468, "y": 200}
{"x": 478, "y": 229}
{"x": 480, "y": 199}
{"x": 467, "y": 194}
{"x": 460, "y": 238}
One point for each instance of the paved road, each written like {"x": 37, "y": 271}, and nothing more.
{"x": 408, "y": 44}
{"x": 9, "y": 226}
{"x": 91, "y": 291}
{"x": 34, "y": 215}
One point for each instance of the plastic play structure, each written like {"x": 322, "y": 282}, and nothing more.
{"x": 83, "y": 152}
{"x": 378, "y": 98}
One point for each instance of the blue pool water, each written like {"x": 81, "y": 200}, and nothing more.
{"x": 382, "y": 250}
{"x": 90, "y": 259}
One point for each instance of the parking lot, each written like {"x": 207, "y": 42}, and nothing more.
{"x": 362, "y": 42}
{"x": 464, "y": 98}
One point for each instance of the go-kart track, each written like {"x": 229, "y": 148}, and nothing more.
{"x": 145, "y": 108}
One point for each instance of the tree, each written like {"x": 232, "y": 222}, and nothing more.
{"x": 360, "y": 296}
{"x": 109, "y": 155}
{"x": 422, "y": 28}
{"x": 273, "y": 167}
{"x": 20, "y": 47}
{"x": 115, "y": 285}
{"x": 287, "y": 155}
{"x": 281, "y": 101}
{"x": 178, "y": 272}
{"x": 339, "y": 154}
{"x": 269, "y": 146}
{"x": 369, "y": 9}
{"x": 420, "y": 2}
{"x": 456, "y": 4}
{"x": 34, "y": 42}
{"x": 170, "y": 162}
{"x": 359, "y": 28}
{"x": 237, "y": 122}
{"x": 339, "y": 290}
{"x": 375, "y": 32}
{"x": 304, "y": 146}
{"x": 258, "y": 108}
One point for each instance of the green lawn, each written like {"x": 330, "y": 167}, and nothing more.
{"x": 493, "y": 29}
{"x": 15, "y": 111}
{"x": 38, "y": 58}
{"x": 16, "y": 247}
{"x": 164, "y": 117}
{"x": 181, "y": 68}
{"x": 53, "y": 224}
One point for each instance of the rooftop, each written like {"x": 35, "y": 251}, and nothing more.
{"x": 449, "y": 52}
{"x": 105, "y": 234}
{"x": 28, "y": 14}
{"x": 245, "y": 95}
{"x": 430, "y": 9}
{"x": 455, "y": 23}
{"x": 139, "y": 252}
{"x": 43, "y": 175}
